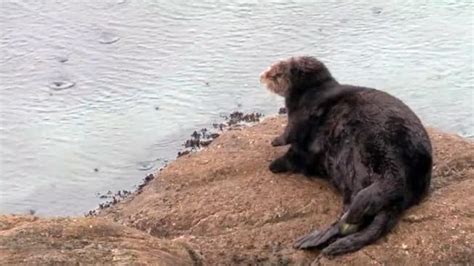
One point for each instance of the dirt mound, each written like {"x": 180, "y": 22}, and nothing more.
{"x": 73, "y": 241}
{"x": 223, "y": 206}
{"x": 224, "y": 201}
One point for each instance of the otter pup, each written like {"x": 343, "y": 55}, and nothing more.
{"x": 369, "y": 144}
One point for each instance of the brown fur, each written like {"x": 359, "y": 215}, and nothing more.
{"x": 276, "y": 78}
{"x": 286, "y": 75}
{"x": 369, "y": 144}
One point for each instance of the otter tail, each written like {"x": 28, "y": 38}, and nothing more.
{"x": 387, "y": 192}
{"x": 372, "y": 213}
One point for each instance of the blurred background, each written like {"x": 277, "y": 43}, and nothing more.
{"x": 94, "y": 95}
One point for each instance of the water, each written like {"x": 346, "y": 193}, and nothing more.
{"x": 119, "y": 85}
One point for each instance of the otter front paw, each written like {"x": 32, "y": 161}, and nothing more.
{"x": 280, "y": 165}
{"x": 279, "y": 141}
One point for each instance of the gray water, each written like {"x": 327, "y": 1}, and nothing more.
{"x": 119, "y": 85}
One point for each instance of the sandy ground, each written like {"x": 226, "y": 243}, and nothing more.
{"x": 222, "y": 206}
{"x": 73, "y": 241}
{"x": 225, "y": 201}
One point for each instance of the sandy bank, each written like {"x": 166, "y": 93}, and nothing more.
{"x": 228, "y": 208}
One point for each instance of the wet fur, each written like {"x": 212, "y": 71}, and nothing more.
{"x": 369, "y": 144}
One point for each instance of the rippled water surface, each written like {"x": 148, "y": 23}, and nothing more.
{"x": 118, "y": 85}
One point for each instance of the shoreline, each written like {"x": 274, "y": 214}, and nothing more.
{"x": 198, "y": 140}
{"x": 222, "y": 205}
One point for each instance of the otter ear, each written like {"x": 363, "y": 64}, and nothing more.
{"x": 296, "y": 72}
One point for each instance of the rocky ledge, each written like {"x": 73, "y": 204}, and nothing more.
{"x": 222, "y": 206}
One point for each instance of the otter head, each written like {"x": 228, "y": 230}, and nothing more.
{"x": 295, "y": 73}
{"x": 277, "y": 78}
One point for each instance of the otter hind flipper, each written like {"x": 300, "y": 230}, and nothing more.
{"x": 318, "y": 238}
{"x": 382, "y": 223}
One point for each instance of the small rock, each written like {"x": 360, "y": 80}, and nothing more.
{"x": 182, "y": 153}
{"x": 414, "y": 218}
{"x": 205, "y": 143}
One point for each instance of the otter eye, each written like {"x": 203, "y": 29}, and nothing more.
{"x": 277, "y": 75}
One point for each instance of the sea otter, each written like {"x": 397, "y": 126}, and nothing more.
{"x": 370, "y": 145}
